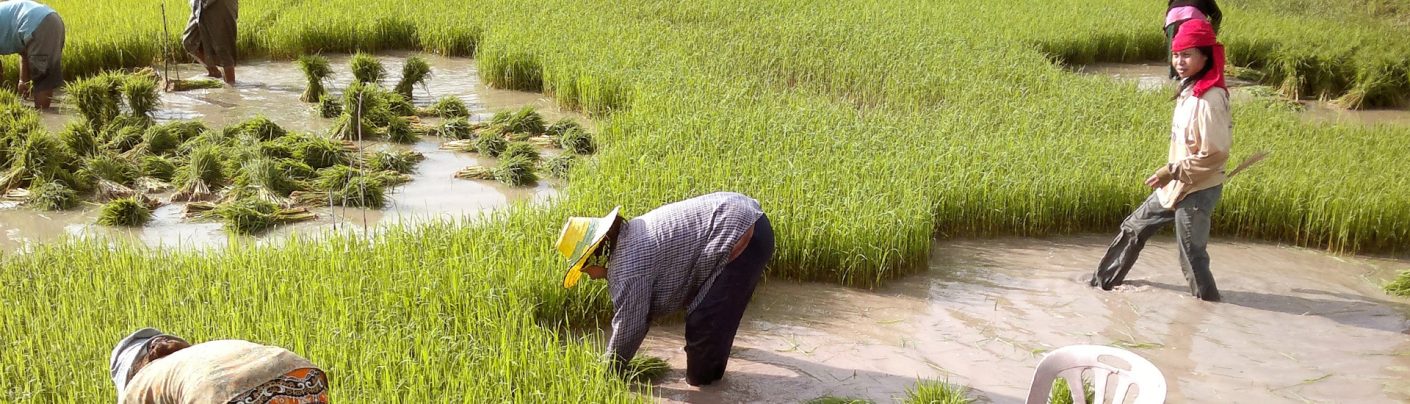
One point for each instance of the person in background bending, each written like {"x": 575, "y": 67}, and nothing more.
{"x": 36, "y": 33}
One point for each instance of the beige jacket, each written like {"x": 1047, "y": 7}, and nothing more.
{"x": 1201, "y": 134}
{"x": 211, "y": 372}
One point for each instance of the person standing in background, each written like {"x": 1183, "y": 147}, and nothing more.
{"x": 210, "y": 36}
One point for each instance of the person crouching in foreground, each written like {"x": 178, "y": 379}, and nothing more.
{"x": 151, "y": 367}
{"x": 703, "y": 255}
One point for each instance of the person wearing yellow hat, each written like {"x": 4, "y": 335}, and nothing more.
{"x": 703, "y": 255}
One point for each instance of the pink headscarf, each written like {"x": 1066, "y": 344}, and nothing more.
{"x": 1198, "y": 33}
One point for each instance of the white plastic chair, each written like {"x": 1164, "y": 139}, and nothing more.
{"x": 1070, "y": 362}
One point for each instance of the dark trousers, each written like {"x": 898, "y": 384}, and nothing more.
{"x": 1192, "y": 221}
{"x": 710, "y": 328}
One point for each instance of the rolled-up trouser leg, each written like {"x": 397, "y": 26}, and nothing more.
{"x": 1192, "y": 223}
{"x": 711, "y": 326}
{"x": 1135, "y": 230}
{"x": 46, "y": 54}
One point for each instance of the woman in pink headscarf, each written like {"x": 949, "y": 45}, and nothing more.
{"x": 1188, "y": 186}
{"x": 1177, "y": 12}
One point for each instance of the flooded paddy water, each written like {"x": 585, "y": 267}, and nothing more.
{"x": 1296, "y": 325}
{"x": 1155, "y": 77}
{"x": 272, "y": 89}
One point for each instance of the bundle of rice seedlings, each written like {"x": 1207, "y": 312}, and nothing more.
{"x": 297, "y": 170}
{"x": 525, "y": 120}
{"x": 366, "y": 68}
{"x": 455, "y": 128}
{"x": 475, "y": 173}
{"x": 414, "y": 72}
{"x": 1400, "y": 286}
{"x": 80, "y": 138}
{"x": 107, "y": 166}
{"x": 490, "y": 144}
{"x": 97, "y": 98}
{"x": 124, "y": 137}
{"x": 562, "y": 127}
{"x": 646, "y": 369}
{"x": 559, "y": 166}
{"x": 276, "y": 149}
{"x": 262, "y": 179}
{"x": 391, "y": 178}
{"x": 183, "y": 131}
{"x": 937, "y": 392}
{"x": 329, "y": 107}
{"x": 41, "y": 155}
{"x": 361, "y": 191}
{"x": 1062, "y": 392}
{"x": 161, "y": 142}
{"x": 448, "y": 107}
{"x": 158, "y": 167}
{"x": 141, "y": 94}
{"x": 192, "y": 84}
{"x": 518, "y": 137}
{"x": 521, "y": 149}
{"x": 515, "y": 171}
{"x": 400, "y": 161}
{"x": 399, "y": 130}
{"x": 319, "y": 152}
{"x": 124, "y": 212}
{"x": 577, "y": 141}
{"x": 543, "y": 141}
{"x": 316, "y": 70}
{"x": 260, "y": 128}
{"x": 52, "y": 195}
{"x": 200, "y": 177}
{"x": 246, "y": 216}
{"x": 212, "y": 138}
{"x": 463, "y": 145}
{"x": 106, "y": 190}
{"x": 399, "y": 105}
{"x": 350, "y": 127}
{"x": 147, "y": 185}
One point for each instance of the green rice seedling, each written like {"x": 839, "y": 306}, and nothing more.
{"x": 108, "y": 166}
{"x": 329, "y": 107}
{"x": 128, "y": 212}
{"x": 521, "y": 149}
{"x": 515, "y": 171}
{"x": 414, "y": 72}
{"x": 449, "y": 107}
{"x": 646, "y": 369}
{"x": 52, "y": 195}
{"x": 399, "y": 105}
{"x": 158, "y": 167}
{"x": 41, "y": 155}
{"x": 559, "y": 166}
{"x": 361, "y": 191}
{"x": 122, "y": 138}
{"x": 276, "y": 149}
{"x": 490, "y": 144}
{"x": 157, "y": 140}
{"x": 149, "y": 185}
{"x": 246, "y": 216}
{"x": 179, "y": 85}
{"x": 200, "y": 177}
{"x": 463, "y": 146}
{"x": 97, "y": 98}
{"x": 316, "y": 69}
{"x": 183, "y": 131}
{"x": 367, "y": 69}
{"x": 399, "y": 161}
{"x": 1062, "y": 393}
{"x": 334, "y": 178}
{"x": 937, "y": 392}
{"x": 562, "y": 127}
{"x": 297, "y": 170}
{"x": 839, "y": 400}
{"x": 518, "y": 137}
{"x": 141, "y": 94}
{"x": 80, "y": 137}
{"x": 320, "y": 152}
{"x": 260, "y": 127}
{"x": 262, "y": 179}
{"x": 524, "y": 120}
{"x": 1400, "y": 286}
{"x": 399, "y": 130}
{"x": 455, "y": 128}
{"x": 577, "y": 141}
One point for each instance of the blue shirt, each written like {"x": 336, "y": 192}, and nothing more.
{"x": 18, "y": 20}
{"x": 663, "y": 259}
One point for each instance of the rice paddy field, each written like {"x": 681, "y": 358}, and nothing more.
{"x": 866, "y": 130}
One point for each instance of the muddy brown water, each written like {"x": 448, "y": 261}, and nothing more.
{"x": 272, "y": 89}
{"x": 1154, "y": 77}
{"x": 1295, "y": 326}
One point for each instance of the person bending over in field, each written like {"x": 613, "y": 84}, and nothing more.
{"x": 1189, "y": 185}
{"x": 36, "y": 33}
{"x": 151, "y": 367}
{"x": 703, "y": 255}
{"x": 1179, "y": 11}
{"x": 210, "y": 36}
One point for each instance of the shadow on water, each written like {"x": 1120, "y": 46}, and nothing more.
{"x": 1348, "y": 309}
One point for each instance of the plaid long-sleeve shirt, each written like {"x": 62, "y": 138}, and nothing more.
{"x": 664, "y": 259}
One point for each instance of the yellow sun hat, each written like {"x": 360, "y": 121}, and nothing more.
{"x": 580, "y": 238}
